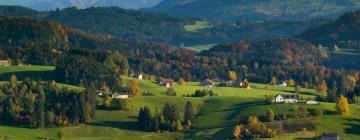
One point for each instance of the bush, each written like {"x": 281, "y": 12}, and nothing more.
{"x": 202, "y": 93}
{"x": 119, "y": 104}
{"x": 148, "y": 94}
{"x": 171, "y": 92}
{"x": 318, "y": 112}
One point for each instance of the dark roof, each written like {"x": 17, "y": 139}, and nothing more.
{"x": 330, "y": 134}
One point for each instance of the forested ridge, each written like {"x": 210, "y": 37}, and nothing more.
{"x": 156, "y": 27}
{"x": 257, "y": 10}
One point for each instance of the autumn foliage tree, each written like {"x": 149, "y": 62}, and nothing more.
{"x": 134, "y": 88}
{"x": 342, "y": 106}
{"x": 322, "y": 89}
{"x": 273, "y": 80}
{"x": 181, "y": 82}
{"x": 232, "y": 75}
{"x": 237, "y": 131}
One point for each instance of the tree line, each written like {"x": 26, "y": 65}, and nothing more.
{"x": 169, "y": 119}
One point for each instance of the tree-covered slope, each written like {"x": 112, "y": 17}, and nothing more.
{"x": 344, "y": 31}
{"x": 233, "y": 10}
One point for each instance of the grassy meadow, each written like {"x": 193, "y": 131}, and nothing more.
{"x": 216, "y": 115}
{"x": 199, "y": 25}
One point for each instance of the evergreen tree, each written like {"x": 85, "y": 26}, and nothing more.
{"x": 270, "y": 115}
{"x": 147, "y": 119}
{"x": 141, "y": 117}
{"x": 189, "y": 114}
{"x": 40, "y": 109}
{"x": 167, "y": 112}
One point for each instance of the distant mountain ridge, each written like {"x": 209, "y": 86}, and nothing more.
{"x": 54, "y": 4}
{"x": 233, "y": 10}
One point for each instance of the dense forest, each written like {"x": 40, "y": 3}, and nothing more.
{"x": 39, "y": 104}
{"x": 67, "y": 49}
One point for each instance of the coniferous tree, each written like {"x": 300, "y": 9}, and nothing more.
{"x": 167, "y": 112}
{"x": 270, "y": 115}
{"x": 40, "y": 109}
{"x": 189, "y": 114}
{"x": 147, "y": 119}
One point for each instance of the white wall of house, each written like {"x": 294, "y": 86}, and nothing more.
{"x": 121, "y": 96}
{"x": 278, "y": 99}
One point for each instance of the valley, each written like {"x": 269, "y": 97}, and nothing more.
{"x": 180, "y": 70}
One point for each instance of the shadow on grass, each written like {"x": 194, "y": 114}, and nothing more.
{"x": 17, "y": 125}
{"x": 129, "y": 125}
{"x": 238, "y": 108}
{"x": 354, "y": 124}
{"x": 35, "y": 75}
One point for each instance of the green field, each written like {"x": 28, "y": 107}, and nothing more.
{"x": 216, "y": 115}
{"x": 34, "y": 72}
{"x": 199, "y": 25}
{"x": 199, "y": 48}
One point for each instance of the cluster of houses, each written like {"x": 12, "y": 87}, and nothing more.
{"x": 237, "y": 83}
{"x": 137, "y": 76}
{"x": 288, "y": 99}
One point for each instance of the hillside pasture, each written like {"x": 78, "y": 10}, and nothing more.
{"x": 199, "y": 25}
{"x": 216, "y": 115}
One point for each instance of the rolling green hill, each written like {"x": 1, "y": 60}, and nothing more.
{"x": 215, "y": 119}
{"x": 255, "y": 10}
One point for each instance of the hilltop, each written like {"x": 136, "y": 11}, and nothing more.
{"x": 255, "y": 10}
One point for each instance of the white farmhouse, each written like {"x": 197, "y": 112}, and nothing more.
{"x": 119, "y": 96}
{"x": 285, "y": 99}
{"x": 140, "y": 76}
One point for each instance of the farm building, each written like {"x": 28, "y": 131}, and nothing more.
{"x": 282, "y": 84}
{"x": 285, "y": 99}
{"x": 4, "y": 62}
{"x": 167, "y": 83}
{"x": 330, "y": 136}
{"x": 207, "y": 83}
{"x": 137, "y": 76}
{"x": 237, "y": 83}
{"x": 119, "y": 96}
